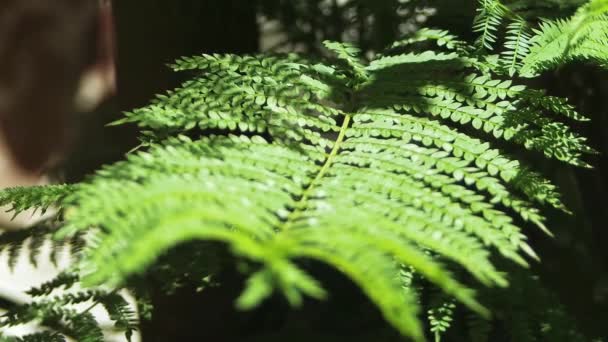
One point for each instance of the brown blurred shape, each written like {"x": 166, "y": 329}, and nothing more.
{"x": 56, "y": 57}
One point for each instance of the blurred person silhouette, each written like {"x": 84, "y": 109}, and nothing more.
{"x": 56, "y": 59}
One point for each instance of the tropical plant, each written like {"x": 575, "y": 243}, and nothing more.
{"x": 532, "y": 46}
{"x": 409, "y": 173}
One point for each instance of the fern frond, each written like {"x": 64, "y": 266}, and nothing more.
{"x": 265, "y": 95}
{"x": 40, "y": 198}
{"x": 61, "y": 313}
{"x": 489, "y": 105}
{"x": 487, "y": 21}
{"x": 85, "y": 328}
{"x": 539, "y": 101}
{"x": 54, "y": 314}
{"x": 372, "y": 270}
{"x": 120, "y": 311}
{"x": 44, "y": 336}
{"x": 64, "y": 280}
{"x": 584, "y": 36}
{"x": 369, "y": 168}
{"x": 555, "y": 42}
{"x": 593, "y": 10}
{"x": 352, "y": 56}
{"x": 32, "y": 240}
{"x": 440, "y": 317}
{"x": 441, "y": 38}
{"x": 517, "y": 45}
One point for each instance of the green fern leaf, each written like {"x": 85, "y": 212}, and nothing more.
{"x": 39, "y": 198}
{"x": 31, "y": 240}
{"x": 440, "y": 318}
{"x": 441, "y": 38}
{"x": 363, "y": 166}
{"x": 37, "y": 337}
{"x": 121, "y": 313}
{"x": 517, "y": 46}
{"x": 351, "y": 55}
{"x": 489, "y": 17}
{"x": 62, "y": 314}
{"x": 64, "y": 280}
{"x": 584, "y": 36}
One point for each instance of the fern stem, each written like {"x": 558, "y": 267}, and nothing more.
{"x": 90, "y": 307}
{"x": 328, "y": 162}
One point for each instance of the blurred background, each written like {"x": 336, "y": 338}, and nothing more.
{"x": 152, "y": 33}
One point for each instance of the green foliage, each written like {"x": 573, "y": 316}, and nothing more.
{"x": 39, "y": 198}
{"x": 120, "y": 311}
{"x": 64, "y": 313}
{"x": 582, "y": 37}
{"x": 532, "y": 47}
{"x": 517, "y": 46}
{"x": 441, "y": 38}
{"x": 405, "y": 173}
{"x": 488, "y": 19}
{"x": 44, "y": 336}
{"x": 440, "y": 318}
{"x": 31, "y": 241}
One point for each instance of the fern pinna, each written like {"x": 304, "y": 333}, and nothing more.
{"x": 406, "y": 162}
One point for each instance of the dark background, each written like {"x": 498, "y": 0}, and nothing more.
{"x": 153, "y": 33}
